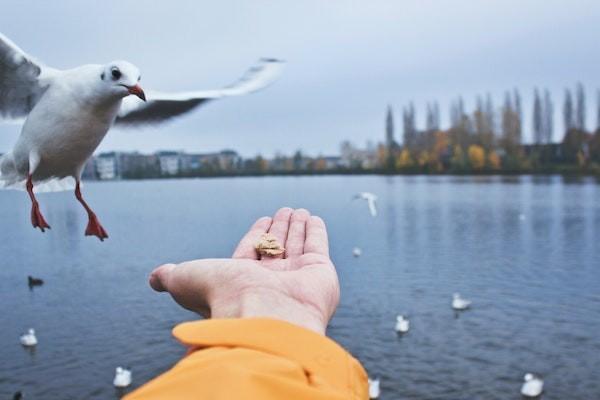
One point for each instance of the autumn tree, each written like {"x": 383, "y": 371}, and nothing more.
{"x": 476, "y": 155}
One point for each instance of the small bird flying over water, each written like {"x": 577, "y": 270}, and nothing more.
{"x": 371, "y": 201}
{"x": 68, "y": 113}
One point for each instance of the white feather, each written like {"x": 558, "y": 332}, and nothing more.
{"x": 69, "y": 112}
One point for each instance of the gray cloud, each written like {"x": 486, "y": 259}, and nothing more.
{"x": 346, "y": 60}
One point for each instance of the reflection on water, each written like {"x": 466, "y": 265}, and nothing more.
{"x": 524, "y": 249}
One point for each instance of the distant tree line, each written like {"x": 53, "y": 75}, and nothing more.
{"x": 490, "y": 139}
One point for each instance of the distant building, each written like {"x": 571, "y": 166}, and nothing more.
{"x": 107, "y": 166}
{"x": 137, "y": 165}
{"x": 169, "y": 162}
{"x": 333, "y": 162}
{"x": 352, "y": 157}
{"x": 229, "y": 160}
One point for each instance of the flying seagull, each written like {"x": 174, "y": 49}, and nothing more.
{"x": 371, "y": 201}
{"x": 68, "y": 113}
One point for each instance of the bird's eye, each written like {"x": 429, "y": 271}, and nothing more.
{"x": 139, "y": 78}
{"x": 116, "y": 74}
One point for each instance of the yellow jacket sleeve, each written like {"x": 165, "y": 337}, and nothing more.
{"x": 257, "y": 358}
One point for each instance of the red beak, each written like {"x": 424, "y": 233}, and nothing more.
{"x": 137, "y": 90}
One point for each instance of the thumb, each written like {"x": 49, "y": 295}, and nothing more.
{"x": 160, "y": 276}
{"x": 190, "y": 283}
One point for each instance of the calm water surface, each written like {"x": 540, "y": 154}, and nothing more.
{"x": 535, "y": 282}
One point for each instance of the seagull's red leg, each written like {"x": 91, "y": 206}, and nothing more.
{"x": 93, "y": 228}
{"x": 37, "y": 219}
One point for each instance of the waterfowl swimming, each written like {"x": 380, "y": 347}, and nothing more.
{"x": 533, "y": 385}
{"x": 402, "y": 324}
{"x": 458, "y": 303}
{"x": 122, "y": 377}
{"x": 31, "y": 281}
{"x": 28, "y": 339}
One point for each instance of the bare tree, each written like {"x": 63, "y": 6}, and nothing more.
{"x": 490, "y": 119}
{"x": 568, "y": 111}
{"x": 538, "y": 122}
{"x": 548, "y": 117}
{"x": 410, "y": 130}
{"x": 598, "y": 110}
{"x": 580, "y": 117}
{"x": 519, "y": 116}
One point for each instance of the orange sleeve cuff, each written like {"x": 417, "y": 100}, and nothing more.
{"x": 268, "y": 348}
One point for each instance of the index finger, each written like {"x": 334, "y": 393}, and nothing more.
{"x": 246, "y": 247}
{"x": 316, "y": 237}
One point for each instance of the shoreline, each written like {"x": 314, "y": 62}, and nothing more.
{"x": 569, "y": 174}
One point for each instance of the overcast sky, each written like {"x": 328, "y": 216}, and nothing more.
{"x": 345, "y": 61}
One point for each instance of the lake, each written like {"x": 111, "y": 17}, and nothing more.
{"x": 523, "y": 249}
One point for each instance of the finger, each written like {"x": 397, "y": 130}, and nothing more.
{"x": 245, "y": 248}
{"x": 281, "y": 224}
{"x": 297, "y": 233}
{"x": 316, "y": 237}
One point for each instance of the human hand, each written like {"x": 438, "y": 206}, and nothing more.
{"x": 300, "y": 286}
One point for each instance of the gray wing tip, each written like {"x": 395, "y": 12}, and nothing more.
{"x": 272, "y": 60}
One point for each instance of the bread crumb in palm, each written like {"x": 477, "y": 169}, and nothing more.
{"x": 269, "y": 246}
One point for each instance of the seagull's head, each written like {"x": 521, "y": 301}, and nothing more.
{"x": 122, "y": 78}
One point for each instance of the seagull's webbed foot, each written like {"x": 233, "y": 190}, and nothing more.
{"x": 94, "y": 228}
{"x": 37, "y": 219}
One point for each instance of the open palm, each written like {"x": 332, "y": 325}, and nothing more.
{"x": 300, "y": 286}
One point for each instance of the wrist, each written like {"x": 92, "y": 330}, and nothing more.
{"x": 269, "y": 303}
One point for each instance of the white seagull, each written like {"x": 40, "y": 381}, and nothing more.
{"x": 68, "y": 113}
{"x": 371, "y": 201}
{"x": 458, "y": 303}
{"x": 122, "y": 377}
{"x": 533, "y": 386}
{"x": 28, "y": 339}
{"x": 402, "y": 324}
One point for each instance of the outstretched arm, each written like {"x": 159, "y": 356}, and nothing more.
{"x": 265, "y": 338}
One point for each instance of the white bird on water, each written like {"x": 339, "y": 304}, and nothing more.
{"x": 458, "y": 303}
{"x": 356, "y": 252}
{"x": 533, "y": 385}
{"x": 69, "y": 112}
{"x": 402, "y": 324}
{"x": 29, "y": 339}
{"x": 374, "y": 390}
{"x": 371, "y": 201}
{"x": 122, "y": 377}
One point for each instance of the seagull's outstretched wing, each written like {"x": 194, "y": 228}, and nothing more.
{"x": 162, "y": 106}
{"x": 22, "y": 80}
